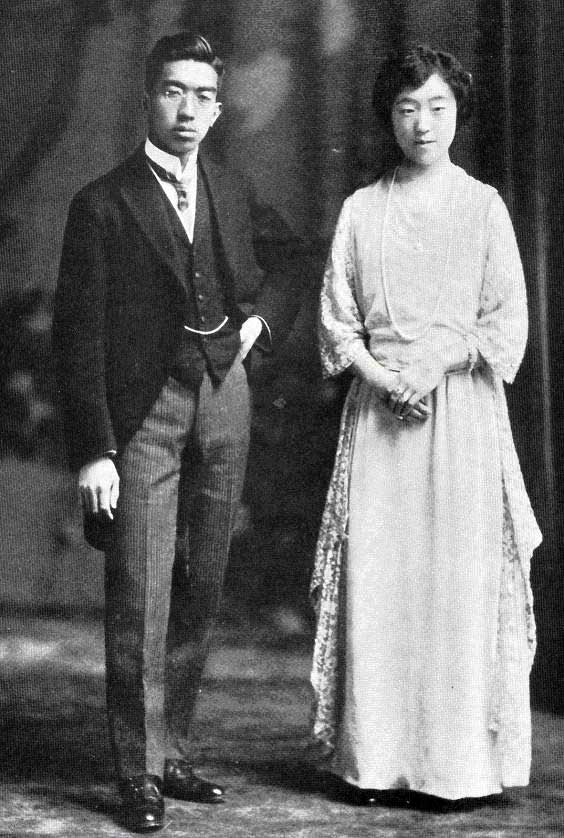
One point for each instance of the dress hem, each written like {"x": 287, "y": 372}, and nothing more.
{"x": 444, "y": 795}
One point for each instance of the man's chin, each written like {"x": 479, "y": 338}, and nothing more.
{"x": 185, "y": 142}
{"x": 179, "y": 146}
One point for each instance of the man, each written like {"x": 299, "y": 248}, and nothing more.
{"x": 159, "y": 302}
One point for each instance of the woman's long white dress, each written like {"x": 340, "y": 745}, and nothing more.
{"x": 425, "y": 626}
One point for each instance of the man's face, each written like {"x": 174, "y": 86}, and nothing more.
{"x": 182, "y": 106}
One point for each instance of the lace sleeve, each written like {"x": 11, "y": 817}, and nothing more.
{"x": 501, "y": 328}
{"x": 341, "y": 327}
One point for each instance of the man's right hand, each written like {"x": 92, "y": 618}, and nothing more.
{"x": 98, "y": 485}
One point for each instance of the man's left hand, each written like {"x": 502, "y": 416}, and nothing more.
{"x": 249, "y": 332}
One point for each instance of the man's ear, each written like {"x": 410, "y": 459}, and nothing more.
{"x": 218, "y": 110}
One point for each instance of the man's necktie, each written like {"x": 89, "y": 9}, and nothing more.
{"x": 180, "y": 185}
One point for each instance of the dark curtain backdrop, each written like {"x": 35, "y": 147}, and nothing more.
{"x": 298, "y": 122}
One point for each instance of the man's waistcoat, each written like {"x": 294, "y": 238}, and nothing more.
{"x": 208, "y": 298}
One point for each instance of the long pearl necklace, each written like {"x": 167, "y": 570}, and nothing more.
{"x": 402, "y": 333}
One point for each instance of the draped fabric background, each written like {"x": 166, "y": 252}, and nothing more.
{"x": 298, "y": 122}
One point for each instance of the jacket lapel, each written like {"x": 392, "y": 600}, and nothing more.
{"x": 226, "y": 206}
{"x": 147, "y": 203}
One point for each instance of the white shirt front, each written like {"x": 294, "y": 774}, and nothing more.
{"x": 188, "y": 174}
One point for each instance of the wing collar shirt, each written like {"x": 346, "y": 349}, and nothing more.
{"x": 188, "y": 175}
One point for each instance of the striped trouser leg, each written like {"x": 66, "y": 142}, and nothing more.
{"x": 209, "y": 496}
{"x": 138, "y": 579}
{"x": 181, "y": 480}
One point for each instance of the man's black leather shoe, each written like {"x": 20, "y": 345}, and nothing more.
{"x": 181, "y": 782}
{"x": 142, "y": 803}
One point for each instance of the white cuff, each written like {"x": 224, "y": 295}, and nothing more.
{"x": 265, "y": 324}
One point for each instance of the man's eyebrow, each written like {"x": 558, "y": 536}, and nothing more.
{"x": 203, "y": 88}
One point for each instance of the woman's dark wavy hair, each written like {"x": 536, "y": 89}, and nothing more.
{"x": 409, "y": 69}
{"x": 183, "y": 46}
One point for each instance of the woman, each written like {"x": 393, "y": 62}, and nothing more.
{"x": 425, "y": 626}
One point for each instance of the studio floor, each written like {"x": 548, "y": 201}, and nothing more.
{"x": 250, "y": 735}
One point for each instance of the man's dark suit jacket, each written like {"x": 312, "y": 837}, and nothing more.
{"x": 120, "y": 299}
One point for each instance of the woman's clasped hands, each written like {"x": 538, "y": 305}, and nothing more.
{"x": 407, "y": 399}
{"x": 406, "y": 404}
{"x": 404, "y": 393}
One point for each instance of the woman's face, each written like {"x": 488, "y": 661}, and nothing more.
{"x": 424, "y": 122}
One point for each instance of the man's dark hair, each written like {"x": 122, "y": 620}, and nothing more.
{"x": 184, "y": 46}
{"x": 409, "y": 69}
